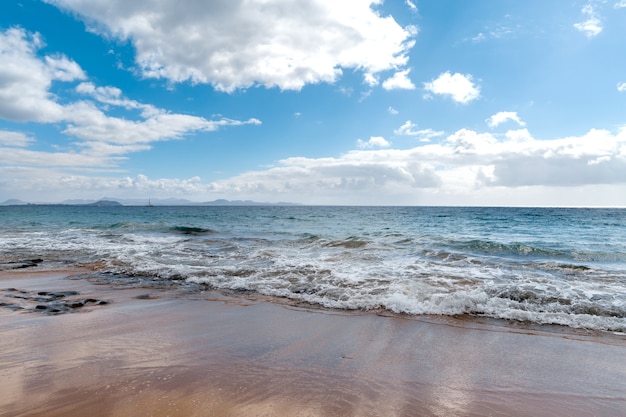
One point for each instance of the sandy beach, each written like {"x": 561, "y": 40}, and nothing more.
{"x": 127, "y": 351}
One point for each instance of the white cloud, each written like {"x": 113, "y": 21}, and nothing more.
{"x": 459, "y": 87}
{"x": 409, "y": 129}
{"x": 25, "y": 79}
{"x": 479, "y": 37}
{"x": 391, "y": 110}
{"x": 235, "y": 44}
{"x": 91, "y": 124}
{"x": 357, "y": 177}
{"x": 18, "y": 157}
{"x": 399, "y": 81}
{"x": 504, "y": 116}
{"x": 425, "y": 135}
{"x": 64, "y": 69}
{"x": 620, "y": 4}
{"x": 16, "y": 139}
{"x": 498, "y": 31}
{"x": 411, "y": 5}
{"x": 373, "y": 142}
{"x": 466, "y": 165}
{"x": 25, "y": 83}
{"x": 370, "y": 79}
{"x": 592, "y": 25}
{"x": 113, "y": 96}
{"x": 56, "y": 185}
{"x": 406, "y": 129}
{"x": 621, "y": 87}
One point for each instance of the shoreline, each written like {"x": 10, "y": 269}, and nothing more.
{"x": 158, "y": 352}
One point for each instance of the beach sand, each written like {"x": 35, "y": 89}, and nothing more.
{"x": 160, "y": 352}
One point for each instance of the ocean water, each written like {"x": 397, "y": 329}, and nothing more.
{"x": 539, "y": 265}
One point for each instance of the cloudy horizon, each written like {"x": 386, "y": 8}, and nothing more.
{"x": 314, "y": 102}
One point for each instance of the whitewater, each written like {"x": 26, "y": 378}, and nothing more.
{"x": 564, "y": 266}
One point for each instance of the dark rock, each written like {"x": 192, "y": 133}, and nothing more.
{"x": 47, "y": 302}
{"x": 62, "y": 294}
{"x": 76, "y": 304}
{"x": 28, "y": 263}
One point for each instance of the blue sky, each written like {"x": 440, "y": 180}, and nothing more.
{"x": 451, "y": 102}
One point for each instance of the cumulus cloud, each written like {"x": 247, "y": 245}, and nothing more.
{"x": 358, "y": 172}
{"x": 464, "y": 167}
{"x": 459, "y": 87}
{"x": 399, "y": 81}
{"x": 504, "y": 116}
{"x": 371, "y": 79}
{"x": 410, "y": 129}
{"x": 25, "y": 83}
{"x": 373, "y": 142}
{"x": 55, "y": 185}
{"x": 411, "y": 5}
{"x": 391, "y": 110}
{"x": 620, "y": 4}
{"x": 406, "y": 129}
{"x": 63, "y": 69}
{"x": 233, "y": 44}
{"x": 621, "y": 87}
{"x": 25, "y": 80}
{"x": 467, "y": 162}
{"x": 592, "y": 25}
{"x": 168, "y": 186}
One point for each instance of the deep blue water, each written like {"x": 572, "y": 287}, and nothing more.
{"x": 544, "y": 265}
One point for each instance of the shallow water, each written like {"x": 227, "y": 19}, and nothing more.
{"x": 543, "y": 265}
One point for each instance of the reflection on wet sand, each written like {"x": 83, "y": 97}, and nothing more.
{"x": 209, "y": 354}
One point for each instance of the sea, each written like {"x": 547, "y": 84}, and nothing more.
{"x": 558, "y": 266}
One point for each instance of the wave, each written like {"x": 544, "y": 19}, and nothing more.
{"x": 349, "y": 243}
{"x": 419, "y": 298}
{"x": 158, "y": 227}
{"x": 514, "y": 248}
{"x": 351, "y": 261}
{"x": 431, "y": 289}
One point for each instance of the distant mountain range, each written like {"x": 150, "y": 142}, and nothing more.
{"x": 106, "y": 201}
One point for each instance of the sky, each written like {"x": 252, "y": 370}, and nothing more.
{"x": 356, "y": 102}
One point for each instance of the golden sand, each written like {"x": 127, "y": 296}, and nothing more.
{"x": 153, "y": 352}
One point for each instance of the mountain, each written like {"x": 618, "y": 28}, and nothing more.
{"x": 13, "y": 202}
{"x": 105, "y": 203}
{"x": 77, "y": 202}
{"x": 112, "y": 202}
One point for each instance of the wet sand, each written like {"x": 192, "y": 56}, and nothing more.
{"x": 152, "y": 352}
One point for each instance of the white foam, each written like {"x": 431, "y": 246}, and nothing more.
{"x": 370, "y": 275}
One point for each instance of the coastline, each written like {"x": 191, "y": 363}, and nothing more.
{"x": 159, "y": 352}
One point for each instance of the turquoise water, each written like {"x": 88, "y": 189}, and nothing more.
{"x": 559, "y": 266}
